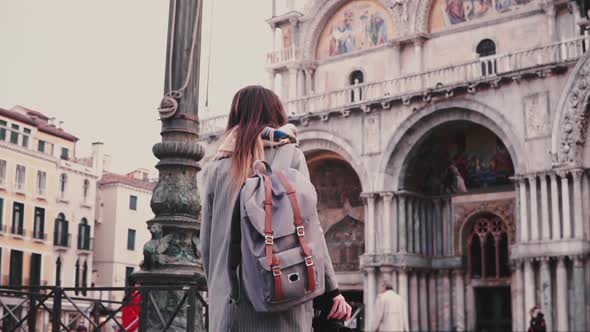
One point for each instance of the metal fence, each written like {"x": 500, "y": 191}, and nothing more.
{"x": 54, "y": 308}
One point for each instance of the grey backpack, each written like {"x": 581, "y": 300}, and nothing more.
{"x": 282, "y": 253}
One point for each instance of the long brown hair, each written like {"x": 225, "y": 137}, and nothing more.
{"x": 253, "y": 108}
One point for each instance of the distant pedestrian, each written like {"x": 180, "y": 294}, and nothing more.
{"x": 537, "y": 320}
{"x": 391, "y": 313}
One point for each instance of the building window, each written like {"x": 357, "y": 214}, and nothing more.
{"x": 26, "y": 135}
{"x": 1, "y": 215}
{"x": 41, "y": 146}
{"x": 486, "y": 49}
{"x": 77, "y": 277}
{"x": 41, "y": 182}
{"x": 85, "y": 189}
{"x": 3, "y": 126}
{"x": 133, "y": 202}
{"x": 60, "y": 233}
{"x": 128, "y": 272}
{"x": 356, "y": 78}
{"x": 84, "y": 277}
{"x": 130, "y": 239}
{"x": 18, "y": 211}
{"x": 20, "y": 177}
{"x": 65, "y": 154}
{"x": 14, "y": 134}
{"x": 35, "y": 274}
{"x": 15, "y": 277}
{"x": 487, "y": 249}
{"x": 63, "y": 182}
{"x": 84, "y": 235}
{"x": 2, "y": 171}
{"x": 39, "y": 224}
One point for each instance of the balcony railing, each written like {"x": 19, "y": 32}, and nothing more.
{"x": 473, "y": 71}
{"x": 283, "y": 56}
{"x": 17, "y": 230}
{"x": 62, "y": 240}
{"x": 482, "y": 69}
{"x": 86, "y": 245}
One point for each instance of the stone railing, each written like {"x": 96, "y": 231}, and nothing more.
{"x": 213, "y": 125}
{"x": 283, "y": 56}
{"x": 483, "y": 69}
{"x": 473, "y": 71}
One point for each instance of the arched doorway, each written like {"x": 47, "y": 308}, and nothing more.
{"x": 455, "y": 170}
{"x": 486, "y": 250}
{"x": 341, "y": 213}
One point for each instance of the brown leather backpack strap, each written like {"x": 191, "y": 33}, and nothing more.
{"x": 299, "y": 230}
{"x": 271, "y": 259}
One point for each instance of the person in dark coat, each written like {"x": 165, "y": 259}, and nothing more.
{"x": 537, "y": 320}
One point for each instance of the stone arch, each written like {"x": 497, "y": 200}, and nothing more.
{"x": 422, "y": 16}
{"x": 413, "y": 129}
{"x": 312, "y": 140}
{"x": 320, "y": 13}
{"x": 570, "y": 125}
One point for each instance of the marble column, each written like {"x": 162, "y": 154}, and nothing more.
{"x": 394, "y": 282}
{"x": 545, "y": 222}
{"x": 432, "y": 303}
{"x": 417, "y": 226}
{"x": 386, "y": 222}
{"x": 579, "y": 295}
{"x": 524, "y": 223}
{"x": 565, "y": 206}
{"x": 401, "y": 220}
{"x": 449, "y": 226}
{"x": 519, "y": 321}
{"x": 444, "y": 321}
{"x": 394, "y": 223}
{"x": 271, "y": 79}
{"x": 308, "y": 87}
{"x": 293, "y": 82}
{"x": 529, "y": 285}
{"x": 418, "y": 46}
{"x": 534, "y": 208}
{"x": 551, "y": 30}
{"x": 545, "y": 287}
{"x": 423, "y": 282}
{"x": 410, "y": 223}
{"x": 423, "y": 227}
{"x": 561, "y": 295}
{"x": 414, "y": 302}
{"x": 555, "y": 216}
{"x": 300, "y": 83}
{"x": 372, "y": 293}
{"x": 459, "y": 304}
{"x": 438, "y": 233}
{"x": 578, "y": 204}
{"x": 370, "y": 240}
{"x": 402, "y": 284}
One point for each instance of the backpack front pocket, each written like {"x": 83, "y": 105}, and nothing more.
{"x": 292, "y": 274}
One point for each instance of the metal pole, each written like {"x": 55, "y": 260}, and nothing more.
{"x": 175, "y": 200}
{"x": 56, "y": 312}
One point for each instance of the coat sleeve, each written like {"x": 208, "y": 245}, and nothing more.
{"x": 300, "y": 164}
{"x": 377, "y": 314}
{"x": 205, "y": 235}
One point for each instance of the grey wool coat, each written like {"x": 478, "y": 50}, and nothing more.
{"x": 219, "y": 200}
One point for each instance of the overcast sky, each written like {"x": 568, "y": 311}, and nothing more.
{"x": 99, "y": 65}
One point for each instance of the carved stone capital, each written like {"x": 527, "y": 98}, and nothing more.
{"x": 387, "y": 196}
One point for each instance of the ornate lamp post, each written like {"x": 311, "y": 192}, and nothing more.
{"x": 171, "y": 257}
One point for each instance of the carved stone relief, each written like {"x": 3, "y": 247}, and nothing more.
{"x": 463, "y": 213}
{"x": 536, "y": 115}
{"x": 573, "y": 125}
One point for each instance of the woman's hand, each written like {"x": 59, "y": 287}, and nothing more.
{"x": 340, "y": 309}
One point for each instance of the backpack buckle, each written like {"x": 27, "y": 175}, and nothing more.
{"x": 300, "y": 231}
{"x": 276, "y": 271}
{"x": 268, "y": 239}
{"x": 308, "y": 261}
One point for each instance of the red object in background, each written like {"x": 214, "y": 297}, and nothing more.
{"x": 131, "y": 313}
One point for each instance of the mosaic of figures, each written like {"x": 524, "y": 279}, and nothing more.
{"x": 336, "y": 184}
{"x": 356, "y": 26}
{"x": 447, "y": 13}
{"x": 458, "y": 158}
{"x": 346, "y": 242}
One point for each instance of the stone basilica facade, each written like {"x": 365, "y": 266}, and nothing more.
{"x": 448, "y": 143}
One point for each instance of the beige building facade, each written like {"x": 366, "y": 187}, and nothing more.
{"x": 447, "y": 140}
{"x": 121, "y": 229}
{"x": 47, "y": 204}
